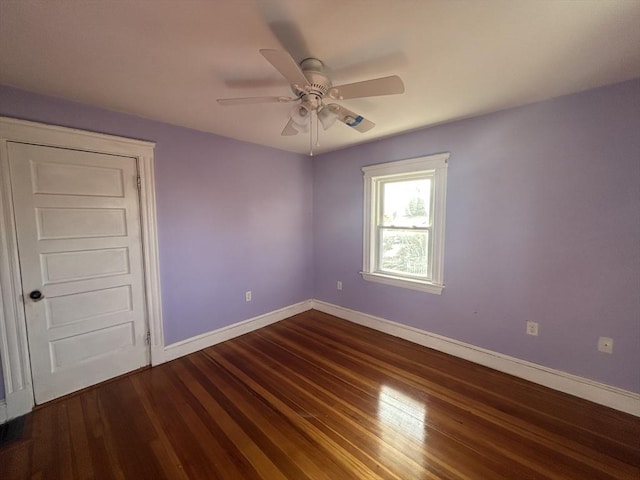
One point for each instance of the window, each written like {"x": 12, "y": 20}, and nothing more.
{"x": 404, "y": 222}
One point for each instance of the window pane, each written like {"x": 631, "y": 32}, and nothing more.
{"x": 406, "y": 203}
{"x": 404, "y": 251}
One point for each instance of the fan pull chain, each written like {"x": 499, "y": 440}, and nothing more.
{"x": 311, "y": 135}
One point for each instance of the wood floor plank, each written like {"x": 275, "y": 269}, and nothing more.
{"x": 361, "y": 466}
{"x": 315, "y": 397}
{"x": 278, "y": 438}
{"x": 63, "y": 442}
{"x": 44, "y": 444}
{"x": 83, "y": 467}
{"x": 484, "y": 406}
{"x": 198, "y": 440}
{"x": 231, "y": 425}
{"x": 407, "y": 456}
{"x": 522, "y": 398}
{"x": 441, "y": 420}
{"x": 549, "y": 452}
{"x": 103, "y": 460}
{"x": 162, "y": 447}
{"x": 128, "y": 430}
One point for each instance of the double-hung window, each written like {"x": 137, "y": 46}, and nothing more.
{"x": 404, "y": 222}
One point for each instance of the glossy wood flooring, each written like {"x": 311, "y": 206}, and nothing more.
{"x": 316, "y": 397}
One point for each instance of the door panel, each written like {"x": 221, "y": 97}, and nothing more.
{"x": 78, "y": 229}
{"x": 71, "y": 352}
{"x": 84, "y": 264}
{"x": 61, "y": 223}
{"x": 86, "y": 306}
{"x": 64, "y": 179}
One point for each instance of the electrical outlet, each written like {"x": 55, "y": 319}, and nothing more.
{"x": 247, "y": 296}
{"x": 532, "y": 328}
{"x": 605, "y": 344}
{"x": 339, "y": 285}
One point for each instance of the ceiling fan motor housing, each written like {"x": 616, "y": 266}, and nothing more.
{"x": 319, "y": 83}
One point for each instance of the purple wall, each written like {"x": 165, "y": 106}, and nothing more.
{"x": 543, "y": 224}
{"x": 232, "y": 216}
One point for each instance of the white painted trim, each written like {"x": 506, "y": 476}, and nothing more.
{"x": 400, "y": 167}
{"x": 409, "y": 283}
{"x": 199, "y": 342}
{"x": 150, "y": 257}
{"x": 596, "y": 392}
{"x": 19, "y": 402}
{"x": 3, "y": 411}
{"x": 16, "y": 367}
{"x": 373, "y": 176}
{"x": 16, "y": 404}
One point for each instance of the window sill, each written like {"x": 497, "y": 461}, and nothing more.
{"x": 403, "y": 282}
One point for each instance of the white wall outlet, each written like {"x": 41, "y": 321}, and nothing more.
{"x": 247, "y": 296}
{"x": 532, "y": 328}
{"x": 339, "y": 285}
{"x": 605, "y": 344}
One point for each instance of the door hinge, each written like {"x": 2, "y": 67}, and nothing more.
{"x": 147, "y": 338}
{"x": 139, "y": 182}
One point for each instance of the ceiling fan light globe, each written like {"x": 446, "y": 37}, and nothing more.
{"x": 327, "y": 117}
{"x": 300, "y": 115}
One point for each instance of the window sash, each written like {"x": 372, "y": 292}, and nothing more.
{"x": 381, "y": 182}
{"x": 400, "y": 170}
{"x": 376, "y": 246}
{"x": 379, "y": 248}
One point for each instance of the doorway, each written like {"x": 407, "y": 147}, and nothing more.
{"x": 80, "y": 289}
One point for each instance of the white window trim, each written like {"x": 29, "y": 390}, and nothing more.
{"x": 437, "y": 163}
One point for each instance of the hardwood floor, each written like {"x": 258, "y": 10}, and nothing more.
{"x": 316, "y": 397}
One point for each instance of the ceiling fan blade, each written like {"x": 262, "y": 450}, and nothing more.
{"x": 250, "y": 100}
{"x": 289, "y": 129}
{"x": 351, "y": 119}
{"x": 369, "y": 88}
{"x": 286, "y": 65}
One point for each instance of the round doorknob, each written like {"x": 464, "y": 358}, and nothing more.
{"x": 36, "y": 295}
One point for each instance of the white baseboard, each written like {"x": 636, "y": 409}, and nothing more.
{"x": 3, "y": 411}
{"x": 193, "y": 344}
{"x": 21, "y": 402}
{"x": 596, "y": 392}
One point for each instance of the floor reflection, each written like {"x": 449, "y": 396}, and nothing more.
{"x": 400, "y": 415}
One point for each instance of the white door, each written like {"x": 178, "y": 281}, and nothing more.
{"x": 78, "y": 228}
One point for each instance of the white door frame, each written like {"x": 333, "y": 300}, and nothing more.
{"x": 16, "y": 367}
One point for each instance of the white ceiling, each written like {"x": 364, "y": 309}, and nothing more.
{"x": 169, "y": 60}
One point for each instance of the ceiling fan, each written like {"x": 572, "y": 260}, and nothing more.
{"x": 312, "y": 88}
